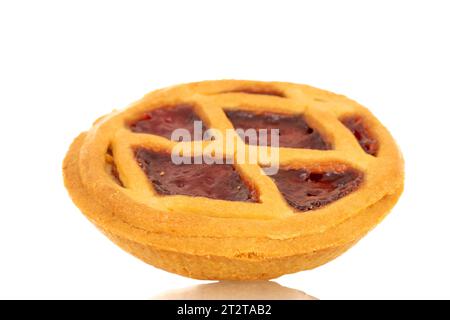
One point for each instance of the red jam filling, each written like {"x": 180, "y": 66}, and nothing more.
{"x": 294, "y": 131}
{"x": 164, "y": 121}
{"x": 308, "y": 190}
{"x": 112, "y": 168}
{"x": 115, "y": 174}
{"x": 361, "y": 132}
{"x": 215, "y": 181}
{"x": 259, "y": 91}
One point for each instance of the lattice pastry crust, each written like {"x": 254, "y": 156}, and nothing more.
{"x": 206, "y": 238}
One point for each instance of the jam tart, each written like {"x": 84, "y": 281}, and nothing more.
{"x": 340, "y": 172}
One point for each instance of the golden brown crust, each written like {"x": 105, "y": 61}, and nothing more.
{"x": 215, "y": 239}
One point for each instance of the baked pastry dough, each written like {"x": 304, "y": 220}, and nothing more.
{"x": 340, "y": 174}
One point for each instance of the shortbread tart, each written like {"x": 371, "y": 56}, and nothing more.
{"x": 340, "y": 173}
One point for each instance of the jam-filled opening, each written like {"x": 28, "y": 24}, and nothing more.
{"x": 294, "y": 131}
{"x": 258, "y": 91}
{"x": 305, "y": 189}
{"x": 165, "y": 120}
{"x": 362, "y": 133}
{"x": 111, "y": 167}
{"x": 214, "y": 181}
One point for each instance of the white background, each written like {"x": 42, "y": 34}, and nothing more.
{"x": 65, "y": 63}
